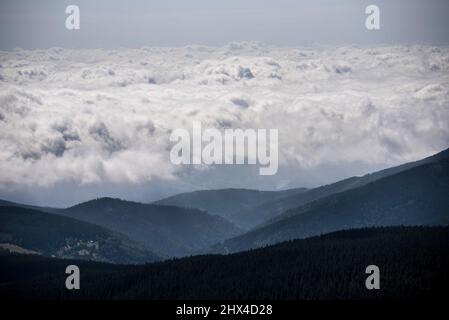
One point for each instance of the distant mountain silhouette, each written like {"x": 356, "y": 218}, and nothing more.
{"x": 227, "y": 203}
{"x": 167, "y": 230}
{"x": 251, "y": 208}
{"x": 260, "y": 214}
{"x": 5, "y": 203}
{"x": 417, "y": 195}
{"x": 54, "y": 235}
{"x": 413, "y": 264}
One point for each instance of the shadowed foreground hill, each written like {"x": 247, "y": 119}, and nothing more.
{"x": 49, "y": 234}
{"x": 413, "y": 264}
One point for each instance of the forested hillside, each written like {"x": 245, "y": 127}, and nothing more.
{"x": 413, "y": 263}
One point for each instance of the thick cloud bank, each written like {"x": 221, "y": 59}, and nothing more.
{"x": 98, "y": 116}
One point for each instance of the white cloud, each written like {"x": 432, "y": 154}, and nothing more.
{"x": 95, "y": 116}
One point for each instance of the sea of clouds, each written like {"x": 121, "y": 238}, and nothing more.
{"x": 105, "y": 116}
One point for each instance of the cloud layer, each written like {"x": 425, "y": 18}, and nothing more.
{"x": 104, "y": 116}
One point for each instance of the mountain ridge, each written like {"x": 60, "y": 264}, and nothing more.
{"x": 225, "y": 202}
{"x": 416, "y": 196}
{"x": 262, "y": 214}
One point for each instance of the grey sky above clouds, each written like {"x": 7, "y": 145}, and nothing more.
{"x": 32, "y": 24}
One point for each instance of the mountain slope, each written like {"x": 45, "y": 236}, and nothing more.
{"x": 166, "y": 230}
{"x": 260, "y": 214}
{"x": 5, "y": 203}
{"x": 226, "y": 202}
{"x": 413, "y": 263}
{"x": 418, "y": 196}
{"x": 54, "y": 235}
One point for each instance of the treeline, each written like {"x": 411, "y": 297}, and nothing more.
{"x": 413, "y": 262}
